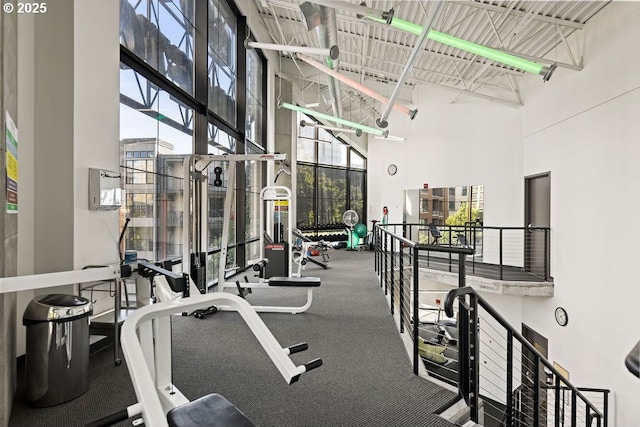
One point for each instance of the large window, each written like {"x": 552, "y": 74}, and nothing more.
{"x": 222, "y": 60}
{"x": 331, "y": 178}
{"x": 161, "y": 34}
{"x": 158, "y": 111}
{"x": 255, "y": 101}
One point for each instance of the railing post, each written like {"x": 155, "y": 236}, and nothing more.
{"x": 462, "y": 270}
{"x": 536, "y": 391}
{"x": 557, "y": 404}
{"x": 386, "y": 262}
{"x": 605, "y": 410}
{"x": 393, "y": 281}
{"x": 401, "y": 296}
{"x": 501, "y": 254}
{"x": 375, "y": 249}
{"x": 463, "y": 349}
{"x": 546, "y": 251}
{"x": 473, "y": 260}
{"x": 416, "y": 357}
{"x": 588, "y": 416}
{"x": 574, "y": 408}
{"x": 509, "y": 396}
{"x": 474, "y": 371}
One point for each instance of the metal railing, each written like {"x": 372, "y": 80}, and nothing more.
{"x": 397, "y": 264}
{"x": 504, "y": 253}
{"x": 493, "y": 366}
{"x": 505, "y": 380}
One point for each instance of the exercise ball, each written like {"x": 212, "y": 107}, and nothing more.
{"x": 360, "y": 230}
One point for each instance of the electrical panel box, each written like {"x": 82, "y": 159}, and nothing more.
{"x": 104, "y": 190}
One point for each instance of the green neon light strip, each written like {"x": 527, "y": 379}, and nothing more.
{"x": 332, "y": 119}
{"x": 477, "y": 49}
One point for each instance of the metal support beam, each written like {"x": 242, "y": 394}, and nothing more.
{"x": 382, "y": 121}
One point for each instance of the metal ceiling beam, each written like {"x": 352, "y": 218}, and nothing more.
{"x": 388, "y": 44}
{"x": 372, "y": 73}
{"x": 501, "y": 9}
{"x": 349, "y": 82}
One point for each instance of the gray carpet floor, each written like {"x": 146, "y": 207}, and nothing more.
{"x": 365, "y": 380}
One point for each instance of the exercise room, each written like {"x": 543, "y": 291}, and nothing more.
{"x": 319, "y": 213}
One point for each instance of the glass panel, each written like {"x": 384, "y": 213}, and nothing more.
{"x": 222, "y": 60}
{"x": 154, "y": 140}
{"x": 306, "y": 150}
{"x": 305, "y": 213}
{"x": 161, "y": 33}
{"x": 220, "y": 142}
{"x": 333, "y": 154}
{"x": 254, "y": 121}
{"x": 254, "y": 74}
{"x": 254, "y": 185}
{"x": 324, "y": 135}
{"x": 332, "y": 195}
{"x": 357, "y": 161}
{"x": 305, "y": 131}
{"x": 357, "y": 190}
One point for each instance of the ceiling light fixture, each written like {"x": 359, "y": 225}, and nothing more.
{"x": 349, "y": 82}
{"x": 477, "y": 49}
{"x": 357, "y": 132}
{"x": 338, "y": 120}
{"x": 333, "y": 51}
{"x": 391, "y": 138}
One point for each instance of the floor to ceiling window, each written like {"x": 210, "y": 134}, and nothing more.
{"x": 331, "y": 178}
{"x": 165, "y": 99}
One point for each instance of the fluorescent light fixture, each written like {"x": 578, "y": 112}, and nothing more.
{"x": 338, "y": 120}
{"x": 358, "y": 86}
{"x": 332, "y": 52}
{"x": 357, "y": 132}
{"x": 391, "y": 138}
{"x": 477, "y": 49}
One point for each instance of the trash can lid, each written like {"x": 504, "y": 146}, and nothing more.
{"x": 56, "y": 308}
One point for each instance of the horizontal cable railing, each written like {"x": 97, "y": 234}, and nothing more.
{"x": 503, "y": 379}
{"x": 504, "y": 253}
{"x": 507, "y": 381}
{"x": 434, "y": 338}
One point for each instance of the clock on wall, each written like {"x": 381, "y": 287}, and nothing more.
{"x": 561, "y": 316}
{"x": 392, "y": 169}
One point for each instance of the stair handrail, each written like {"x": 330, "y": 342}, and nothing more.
{"x": 451, "y": 297}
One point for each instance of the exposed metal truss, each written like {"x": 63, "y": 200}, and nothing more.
{"x": 375, "y": 53}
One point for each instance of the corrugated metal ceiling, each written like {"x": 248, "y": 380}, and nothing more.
{"x": 375, "y": 54}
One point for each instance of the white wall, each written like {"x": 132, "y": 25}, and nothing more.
{"x": 447, "y": 145}
{"x": 26, "y": 100}
{"x": 91, "y": 118}
{"x": 583, "y": 127}
{"x": 96, "y": 125}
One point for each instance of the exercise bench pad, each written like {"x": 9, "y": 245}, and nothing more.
{"x": 304, "y": 282}
{"x": 212, "y": 410}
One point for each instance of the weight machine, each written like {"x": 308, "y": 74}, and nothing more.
{"x": 146, "y": 344}
{"x": 195, "y": 228}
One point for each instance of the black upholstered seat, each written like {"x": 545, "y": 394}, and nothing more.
{"x": 304, "y": 282}
{"x": 212, "y": 410}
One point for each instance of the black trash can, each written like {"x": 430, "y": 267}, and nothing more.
{"x": 57, "y": 351}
